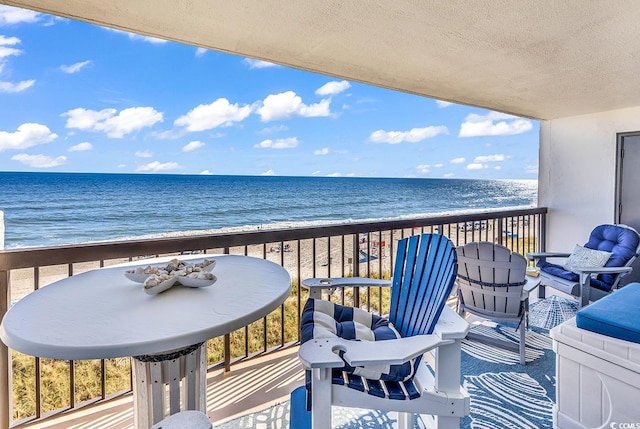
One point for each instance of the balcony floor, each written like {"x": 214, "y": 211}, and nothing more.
{"x": 250, "y": 386}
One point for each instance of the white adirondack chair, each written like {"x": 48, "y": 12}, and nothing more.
{"x": 492, "y": 284}
{"x": 423, "y": 277}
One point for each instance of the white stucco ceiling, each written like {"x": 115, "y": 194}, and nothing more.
{"x": 543, "y": 59}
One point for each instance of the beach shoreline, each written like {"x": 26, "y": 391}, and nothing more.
{"x": 333, "y": 257}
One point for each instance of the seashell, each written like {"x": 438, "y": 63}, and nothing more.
{"x": 156, "y": 284}
{"x": 204, "y": 275}
{"x": 152, "y": 281}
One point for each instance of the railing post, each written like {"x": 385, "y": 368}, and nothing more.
{"x": 6, "y": 401}
{"x": 542, "y": 234}
{"x": 356, "y": 268}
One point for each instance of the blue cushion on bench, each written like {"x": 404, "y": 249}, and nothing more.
{"x": 615, "y": 315}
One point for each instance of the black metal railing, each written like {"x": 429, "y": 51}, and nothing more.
{"x": 354, "y": 249}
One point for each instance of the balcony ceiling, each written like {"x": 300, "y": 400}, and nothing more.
{"x": 542, "y": 59}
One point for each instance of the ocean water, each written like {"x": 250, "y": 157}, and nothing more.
{"x": 43, "y": 209}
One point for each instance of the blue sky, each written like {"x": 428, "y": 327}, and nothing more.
{"x": 76, "y": 97}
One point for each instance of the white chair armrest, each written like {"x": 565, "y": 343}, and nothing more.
{"x": 601, "y": 270}
{"x": 333, "y": 282}
{"x": 317, "y": 285}
{"x": 544, "y": 255}
{"x": 451, "y": 326}
{"x": 323, "y": 353}
{"x": 316, "y": 353}
{"x": 319, "y": 353}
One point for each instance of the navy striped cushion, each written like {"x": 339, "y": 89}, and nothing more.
{"x": 324, "y": 319}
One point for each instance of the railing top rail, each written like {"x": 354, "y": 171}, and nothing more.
{"x": 43, "y": 256}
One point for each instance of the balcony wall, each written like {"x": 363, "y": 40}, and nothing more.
{"x": 357, "y": 249}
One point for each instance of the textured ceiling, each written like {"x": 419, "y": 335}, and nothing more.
{"x": 543, "y": 59}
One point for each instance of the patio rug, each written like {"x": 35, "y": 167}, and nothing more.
{"x": 503, "y": 393}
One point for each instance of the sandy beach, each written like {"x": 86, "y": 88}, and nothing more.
{"x": 335, "y": 257}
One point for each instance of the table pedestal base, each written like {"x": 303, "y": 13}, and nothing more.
{"x": 167, "y": 383}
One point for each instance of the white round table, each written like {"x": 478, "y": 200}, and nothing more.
{"x": 101, "y": 314}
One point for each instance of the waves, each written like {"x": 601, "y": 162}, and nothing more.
{"x": 55, "y": 208}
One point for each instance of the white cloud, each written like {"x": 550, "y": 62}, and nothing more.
{"x": 531, "y": 168}
{"x": 5, "y": 51}
{"x": 269, "y": 172}
{"x": 114, "y": 125}
{"x": 143, "y": 154}
{"x": 134, "y": 36}
{"x": 206, "y": 173}
{"x": 323, "y": 151}
{"x": 158, "y": 166}
{"x": 192, "y": 146}
{"x": 475, "y": 166}
{"x": 272, "y": 130}
{"x": 423, "y": 168}
{"x": 288, "y": 143}
{"x": 414, "y": 135}
{"x": 81, "y": 147}
{"x": 39, "y": 161}
{"x": 217, "y": 114}
{"x": 258, "y": 64}
{"x": 333, "y": 88}
{"x": 490, "y": 158}
{"x": 442, "y": 104}
{"x": 27, "y": 135}
{"x": 334, "y": 175}
{"x": 9, "y": 87}
{"x": 457, "y": 160}
{"x": 485, "y": 125}
{"x": 200, "y": 52}
{"x": 316, "y": 173}
{"x": 75, "y": 68}
{"x": 439, "y": 165}
{"x": 448, "y": 175}
{"x": 288, "y": 104}
{"x": 12, "y": 15}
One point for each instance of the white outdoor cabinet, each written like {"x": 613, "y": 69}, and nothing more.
{"x": 597, "y": 379}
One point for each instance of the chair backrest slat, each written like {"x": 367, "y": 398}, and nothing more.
{"x": 491, "y": 278}
{"x": 424, "y": 276}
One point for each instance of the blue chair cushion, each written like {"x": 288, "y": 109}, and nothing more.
{"x": 615, "y": 315}
{"x": 559, "y": 271}
{"x": 619, "y": 241}
{"x": 324, "y": 319}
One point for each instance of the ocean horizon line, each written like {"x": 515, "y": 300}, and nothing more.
{"x": 263, "y": 176}
{"x": 49, "y": 209}
{"x": 275, "y": 226}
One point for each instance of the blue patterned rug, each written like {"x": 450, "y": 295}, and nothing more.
{"x": 503, "y": 393}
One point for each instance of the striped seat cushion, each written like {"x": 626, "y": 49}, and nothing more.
{"x": 324, "y": 319}
{"x": 398, "y": 390}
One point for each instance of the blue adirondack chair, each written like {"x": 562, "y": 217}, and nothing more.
{"x": 583, "y": 278}
{"x": 387, "y": 373}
